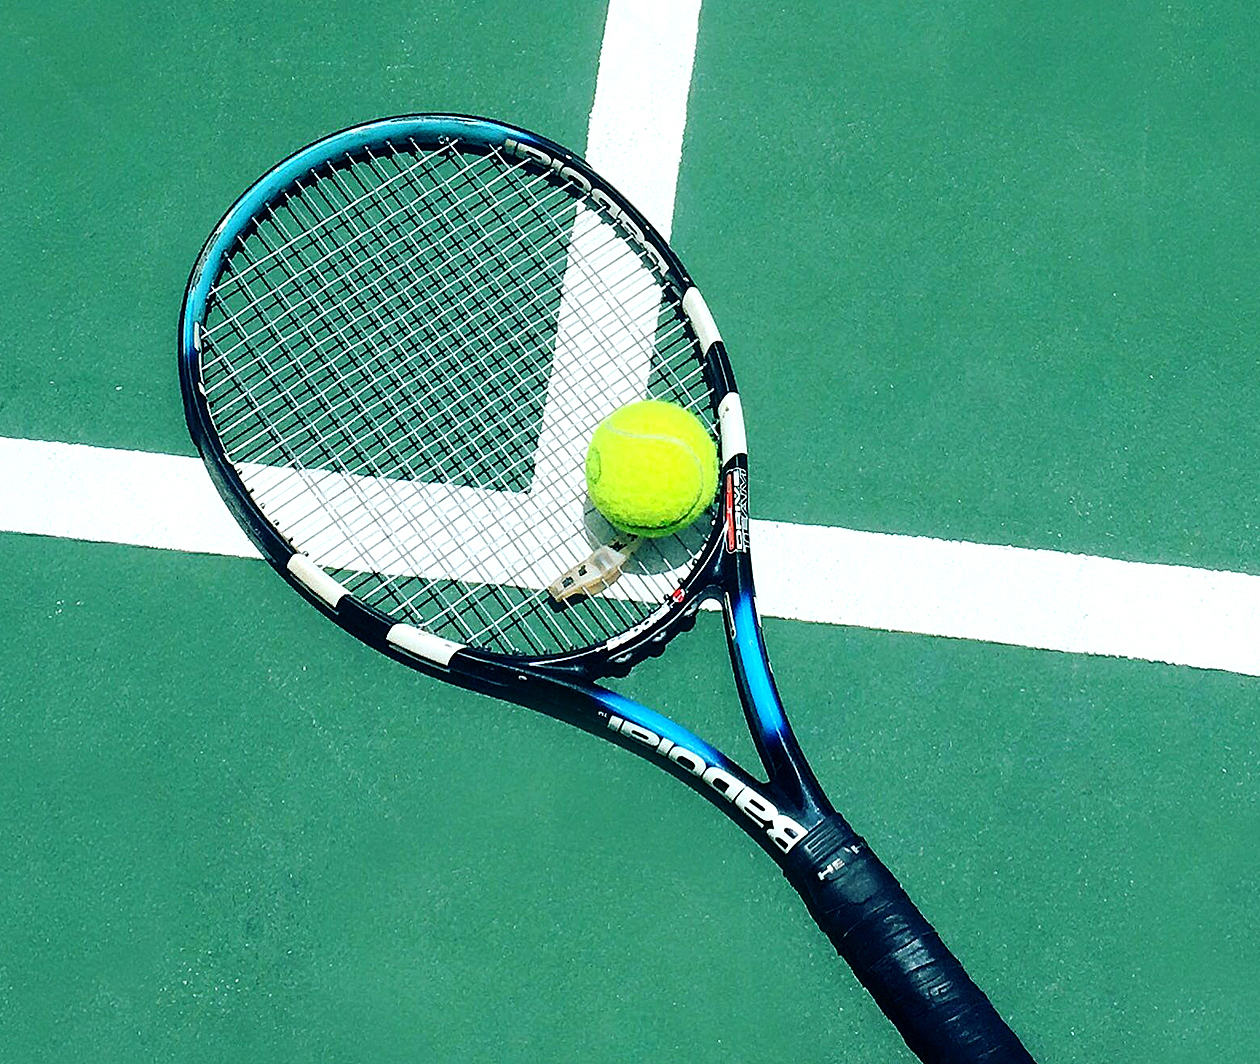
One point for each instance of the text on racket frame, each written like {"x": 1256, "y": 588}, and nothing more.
{"x": 557, "y": 166}
{"x": 784, "y": 832}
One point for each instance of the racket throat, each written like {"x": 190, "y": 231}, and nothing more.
{"x": 762, "y": 818}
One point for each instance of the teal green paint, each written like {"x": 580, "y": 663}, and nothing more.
{"x": 1099, "y": 813}
{"x": 1018, "y": 246}
{"x": 988, "y": 270}
{"x": 231, "y": 830}
{"x": 129, "y": 136}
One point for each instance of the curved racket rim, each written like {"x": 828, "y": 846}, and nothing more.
{"x": 595, "y": 660}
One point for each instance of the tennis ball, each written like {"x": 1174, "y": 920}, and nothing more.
{"x": 651, "y": 468}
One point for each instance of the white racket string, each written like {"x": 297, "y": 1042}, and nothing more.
{"x": 405, "y": 355}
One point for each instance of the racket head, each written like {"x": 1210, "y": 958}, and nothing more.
{"x": 393, "y": 349}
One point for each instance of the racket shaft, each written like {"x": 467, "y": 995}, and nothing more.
{"x": 895, "y": 953}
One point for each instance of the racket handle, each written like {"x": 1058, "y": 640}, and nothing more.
{"x": 896, "y": 954}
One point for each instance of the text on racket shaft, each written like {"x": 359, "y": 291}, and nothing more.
{"x": 784, "y": 832}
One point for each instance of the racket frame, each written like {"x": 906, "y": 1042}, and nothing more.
{"x": 559, "y": 685}
{"x": 855, "y": 900}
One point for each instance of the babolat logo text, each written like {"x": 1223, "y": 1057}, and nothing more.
{"x": 737, "y": 510}
{"x": 784, "y": 832}
{"x": 528, "y": 151}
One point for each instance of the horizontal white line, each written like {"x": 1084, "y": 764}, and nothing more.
{"x": 114, "y": 496}
{"x": 1035, "y": 598}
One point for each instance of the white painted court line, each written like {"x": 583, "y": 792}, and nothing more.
{"x": 114, "y": 496}
{"x": 1035, "y": 598}
{"x": 609, "y": 303}
{"x": 1024, "y": 597}
{"x": 636, "y": 130}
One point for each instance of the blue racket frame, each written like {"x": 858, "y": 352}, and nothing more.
{"x": 856, "y": 901}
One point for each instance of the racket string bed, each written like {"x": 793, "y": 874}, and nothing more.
{"x": 328, "y": 312}
{"x": 325, "y": 505}
{"x": 319, "y": 397}
{"x": 294, "y": 311}
{"x": 365, "y": 237}
{"x": 507, "y": 331}
{"x": 311, "y": 485}
{"x": 454, "y": 309}
{"x": 391, "y": 369}
{"x": 387, "y": 591}
{"x": 242, "y": 277}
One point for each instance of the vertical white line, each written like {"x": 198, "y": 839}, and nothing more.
{"x": 635, "y": 142}
{"x": 636, "y": 131}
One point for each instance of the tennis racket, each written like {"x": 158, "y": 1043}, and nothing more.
{"x": 393, "y": 350}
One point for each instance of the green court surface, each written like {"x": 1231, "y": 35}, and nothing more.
{"x": 987, "y": 271}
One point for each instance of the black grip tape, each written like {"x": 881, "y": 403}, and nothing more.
{"x": 895, "y": 953}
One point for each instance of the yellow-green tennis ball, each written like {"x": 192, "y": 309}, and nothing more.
{"x": 651, "y": 468}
